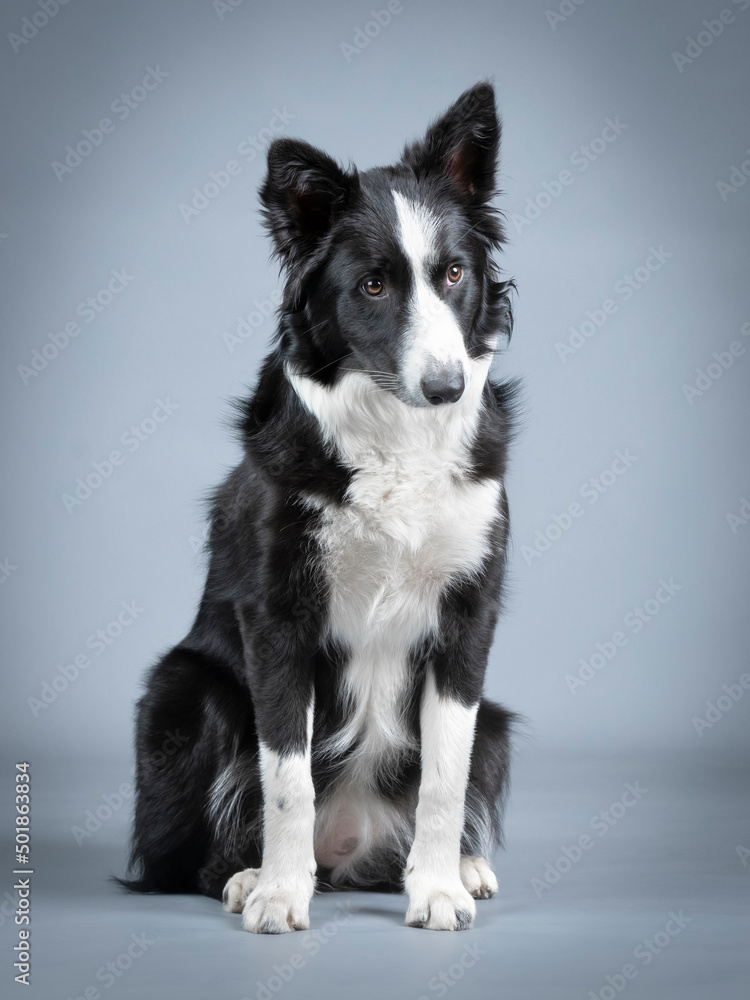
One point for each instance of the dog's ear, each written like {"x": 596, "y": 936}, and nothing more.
{"x": 463, "y": 144}
{"x": 302, "y": 194}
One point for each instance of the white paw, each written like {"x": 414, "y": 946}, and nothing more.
{"x": 238, "y": 888}
{"x": 275, "y": 908}
{"x": 439, "y": 906}
{"x": 478, "y": 878}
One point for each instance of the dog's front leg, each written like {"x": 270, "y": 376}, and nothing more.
{"x": 437, "y": 897}
{"x": 281, "y": 684}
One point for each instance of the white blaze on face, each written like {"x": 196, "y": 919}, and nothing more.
{"x": 433, "y": 337}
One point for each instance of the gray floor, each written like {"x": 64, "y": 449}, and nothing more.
{"x": 671, "y": 849}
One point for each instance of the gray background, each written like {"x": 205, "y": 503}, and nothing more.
{"x": 136, "y": 538}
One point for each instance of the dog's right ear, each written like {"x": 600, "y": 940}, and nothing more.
{"x": 302, "y": 195}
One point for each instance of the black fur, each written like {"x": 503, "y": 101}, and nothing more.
{"x": 257, "y": 648}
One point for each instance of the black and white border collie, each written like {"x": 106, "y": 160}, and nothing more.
{"x": 327, "y": 702}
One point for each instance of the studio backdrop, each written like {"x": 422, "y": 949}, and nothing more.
{"x": 138, "y": 300}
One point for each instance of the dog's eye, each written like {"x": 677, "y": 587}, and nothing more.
{"x": 373, "y": 286}
{"x": 454, "y": 274}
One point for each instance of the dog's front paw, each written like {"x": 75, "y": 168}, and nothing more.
{"x": 439, "y": 906}
{"x": 278, "y": 908}
{"x": 478, "y": 878}
{"x": 238, "y": 888}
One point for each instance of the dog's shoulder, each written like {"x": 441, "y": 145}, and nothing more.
{"x": 286, "y": 453}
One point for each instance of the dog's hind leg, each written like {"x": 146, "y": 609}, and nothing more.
{"x": 185, "y": 719}
{"x": 238, "y": 888}
{"x": 485, "y": 798}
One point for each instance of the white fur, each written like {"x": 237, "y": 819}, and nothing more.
{"x": 438, "y": 898}
{"x": 226, "y": 798}
{"x": 433, "y": 334}
{"x": 238, "y": 888}
{"x": 370, "y": 427}
{"x": 280, "y": 900}
{"x": 411, "y": 524}
{"x": 478, "y": 819}
{"x": 478, "y": 878}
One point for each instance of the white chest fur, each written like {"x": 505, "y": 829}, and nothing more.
{"x": 412, "y": 523}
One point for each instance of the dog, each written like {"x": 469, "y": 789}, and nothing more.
{"x": 325, "y": 711}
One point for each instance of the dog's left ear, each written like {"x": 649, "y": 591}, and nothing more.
{"x": 463, "y": 144}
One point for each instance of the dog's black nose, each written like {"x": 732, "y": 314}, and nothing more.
{"x": 444, "y": 384}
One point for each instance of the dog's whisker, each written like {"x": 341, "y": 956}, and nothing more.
{"x": 466, "y": 233}
{"x": 317, "y": 326}
{"x": 335, "y": 361}
{"x": 370, "y": 371}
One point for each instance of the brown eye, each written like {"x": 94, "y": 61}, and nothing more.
{"x": 373, "y": 286}
{"x": 454, "y": 274}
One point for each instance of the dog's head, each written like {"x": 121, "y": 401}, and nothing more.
{"x": 390, "y": 271}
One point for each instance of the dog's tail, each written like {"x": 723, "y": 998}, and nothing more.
{"x": 133, "y": 884}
